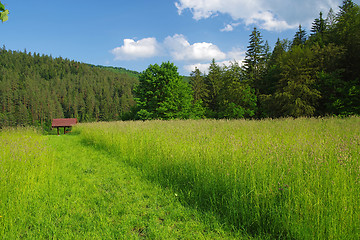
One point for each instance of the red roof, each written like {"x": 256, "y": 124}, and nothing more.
{"x": 63, "y": 122}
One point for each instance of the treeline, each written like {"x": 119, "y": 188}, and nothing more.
{"x": 35, "y": 89}
{"x": 118, "y": 70}
{"x": 314, "y": 74}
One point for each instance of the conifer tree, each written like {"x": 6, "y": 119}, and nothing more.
{"x": 318, "y": 26}
{"x": 197, "y": 82}
{"x": 296, "y": 95}
{"x": 255, "y": 59}
{"x": 300, "y": 37}
{"x": 214, "y": 84}
{"x": 237, "y": 98}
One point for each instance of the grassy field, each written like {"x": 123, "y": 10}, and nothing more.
{"x": 56, "y": 187}
{"x": 292, "y": 179}
{"x": 206, "y": 179}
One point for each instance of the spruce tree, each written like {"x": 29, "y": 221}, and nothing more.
{"x": 255, "y": 59}
{"x": 318, "y": 26}
{"x": 300, "y": 37}
{"x": 214, "y": 84}
{"x": 197, "y": 82}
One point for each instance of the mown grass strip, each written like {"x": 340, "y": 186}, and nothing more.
{"x": 85, "y": 193}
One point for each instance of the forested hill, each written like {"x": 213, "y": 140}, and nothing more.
{"x": 35, "y": 89}
{"x": 118, "y": 70}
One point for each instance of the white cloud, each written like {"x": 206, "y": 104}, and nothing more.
{"x": 235, "y": 55}
{"x": 230, "y": 27}
{"x": 203, "y": 67}
{"x": 131, "y": 50}
{"x": 270, "y": 15}
{"x": 178, "y": 48}
{"x": 181, "y": 49}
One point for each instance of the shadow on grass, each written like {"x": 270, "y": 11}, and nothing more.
{"x": 206, "y": 201}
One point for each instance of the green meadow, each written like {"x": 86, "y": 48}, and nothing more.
{"x": 193, "y": 179}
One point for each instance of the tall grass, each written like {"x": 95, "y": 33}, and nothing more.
{"x": 25, "y": 164}
{"x": 290, "y": 178}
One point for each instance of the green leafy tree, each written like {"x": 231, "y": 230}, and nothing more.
{"x": 3, "y": 13}
{"x": 162, "y": 93}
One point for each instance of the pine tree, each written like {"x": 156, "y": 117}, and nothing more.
{"x": 300, "y": 37}
{"x": 318, "y": 26}
{"x": 214, "y": 84}
{"x": 255, "y": 59}
{"x": 331, "y": 19}
{"x": 296, "y": 94}
{"x": 199, "y": 88}
{"x": 346, "y": 33}
{"x": 237, "y": 99}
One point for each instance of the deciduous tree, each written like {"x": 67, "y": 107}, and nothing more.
{"x": 162, "y": 93}
{"x": 3, "y": 13}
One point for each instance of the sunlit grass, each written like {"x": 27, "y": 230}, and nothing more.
{"x": 54, "y": 187}
{"x": 290, "y": 178}
{"x": 25, "y": 164}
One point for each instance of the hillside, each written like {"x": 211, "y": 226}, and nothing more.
{"x": 36, "y": 88}
{"x": 118, "y": 70}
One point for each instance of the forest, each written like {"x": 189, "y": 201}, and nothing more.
{"x": 317, "y": 73}
{"x": 314, "y": 74}
{"x": 35, "y": 89}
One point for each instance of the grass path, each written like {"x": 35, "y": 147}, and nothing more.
{"x": 94, "y": 195}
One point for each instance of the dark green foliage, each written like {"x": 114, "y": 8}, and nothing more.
{"x": 119, "y": 70}
{"x": 35, "y": 89}
{"x": 224, "y": 92}
{"x": 198, "y": 85}
{"x": 255, "y": 59}
{"x": 238, "y": 99}
{"x": 300, "y": 37}
{"x": 214, "y": 84}
{"x": 316, "y": 76}
{"x": 296, "y": 95}
{"x": 162, "y": 94}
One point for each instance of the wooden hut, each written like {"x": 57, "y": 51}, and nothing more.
{"x": 63, "y": 122}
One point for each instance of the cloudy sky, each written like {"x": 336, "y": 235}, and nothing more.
{"x": 136, "y": 33}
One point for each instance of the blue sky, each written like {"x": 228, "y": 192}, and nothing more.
{"x": 134, "y": 34}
